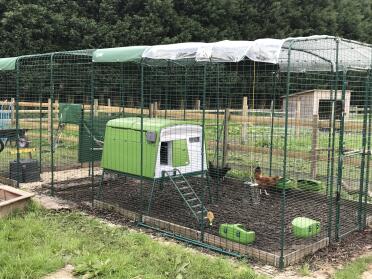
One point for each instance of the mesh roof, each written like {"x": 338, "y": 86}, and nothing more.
{"x": 314, "y": 53}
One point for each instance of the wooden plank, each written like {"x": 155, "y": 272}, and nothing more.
{"x": 228, "y": 245}
{"x": 8, "y": 181}
{"x": 298, "y": 255}
{"x": 171, "y": 227}
{"x": 124, "y": 212}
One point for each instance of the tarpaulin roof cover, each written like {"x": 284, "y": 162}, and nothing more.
{"x": 119, "y": 54}
{"x": 8, "y": 64}
{"x": 314, "y": 53}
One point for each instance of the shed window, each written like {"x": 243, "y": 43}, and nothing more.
{"x": 164, "y": 150}
{"x": 325, "y": 109}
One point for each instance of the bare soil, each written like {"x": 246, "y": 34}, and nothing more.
{"x": 233, "y": 205}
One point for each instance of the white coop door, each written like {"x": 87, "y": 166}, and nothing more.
{"x": 180, "y": 147}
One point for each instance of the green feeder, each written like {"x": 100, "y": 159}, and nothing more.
{"x": 310, "y": 185}
{"x": 287, "y": 183}
{"x": 237, "y": 233}
{"x": 303, "y": 227}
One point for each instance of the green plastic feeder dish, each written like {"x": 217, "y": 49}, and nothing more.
{"x": 237, "y": 233}
{"x": 287, "y": 184}
{"x": 310, "y": 185}
{"x": 303, "y": 227}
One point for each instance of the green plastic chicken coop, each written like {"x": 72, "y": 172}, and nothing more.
{"x": 167, "y": 145}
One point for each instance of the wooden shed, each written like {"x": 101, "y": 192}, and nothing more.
{"x": 305, "y": 104}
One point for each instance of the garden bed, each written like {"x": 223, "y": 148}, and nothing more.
{"x": 12, "y": 199}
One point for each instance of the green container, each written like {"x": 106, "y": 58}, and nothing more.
{"x": 303, "y": 227}
{"x": 287, "y": 183}
{"x": 237, "y": 233}
{"x": 310, "y": 185}
{"x": 70, "y": 113}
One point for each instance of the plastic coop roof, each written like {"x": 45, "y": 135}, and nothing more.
{"x": 314, "y": 53}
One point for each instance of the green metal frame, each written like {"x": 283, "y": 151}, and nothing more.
{"x": 334, "y": 185}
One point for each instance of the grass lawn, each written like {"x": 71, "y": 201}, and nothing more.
{"x": 39, "y": 242}
{"x": 354, "y": 269}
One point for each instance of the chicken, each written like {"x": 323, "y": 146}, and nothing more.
{"x": 264, "y": 182}
{"x": 217, "y": 173}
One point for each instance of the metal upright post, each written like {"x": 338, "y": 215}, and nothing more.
{"x": 51, "y": 78}
{"x": 40, "y": 129}
{"x": 340, "y": 159}
{"x": 184, "y": 88}
{"x": 369, "y": 150}
{"x": 363, "y": 158}
{"x": 202, "y": 147}
{"x": 273, "y": 82}
{"x": 17, "y": 120}
{"x": 332, "y": 159}
{"x": 91, "y": 165}
{"x": 217, "y": 133}
{"x": 122, "y": 102}
{"x": 283, "y": 197}
{"x": 141, "y": 136}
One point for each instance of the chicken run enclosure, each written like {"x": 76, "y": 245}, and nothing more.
{"x": 254, "y": 148}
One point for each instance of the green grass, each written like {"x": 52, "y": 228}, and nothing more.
{"x": 304, "y": 270}
{"x": 39, "y": 242}
{"x": 354, "y": 269}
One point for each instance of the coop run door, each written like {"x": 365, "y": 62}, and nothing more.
{"x": 180, "y": 153}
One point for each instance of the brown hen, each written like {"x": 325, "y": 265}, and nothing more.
{"x": 265, "y": 181}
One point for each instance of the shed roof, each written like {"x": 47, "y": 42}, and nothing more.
{"x": 313, "y": 91}
{"x": 149, "y": 124}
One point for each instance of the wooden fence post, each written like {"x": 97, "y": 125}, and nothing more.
{"x": 95, "y": 107}
{"x": 197, "y": 104}
{"x": 56, "y": 111}
{"x": 155, "y": 109}
{"x": 109, "y": 105}
{"x": 151, "y": 110}
{"x": 225, "y": 136}
{"x": 245, "y": 120}
{"x": 314, "y": 146}
{"x": 13, "y": 108}
{"x": 298, "y": 117}
{"x": 49, "y": 120}
{"x": 71, "y": 99}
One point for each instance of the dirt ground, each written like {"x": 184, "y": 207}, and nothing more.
{"x": 234, "y": 205}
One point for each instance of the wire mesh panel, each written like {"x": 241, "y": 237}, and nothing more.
{"x": 34, "y": 114}
{"x": 8, "y": 130}
{"x": 270, "y": 160}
